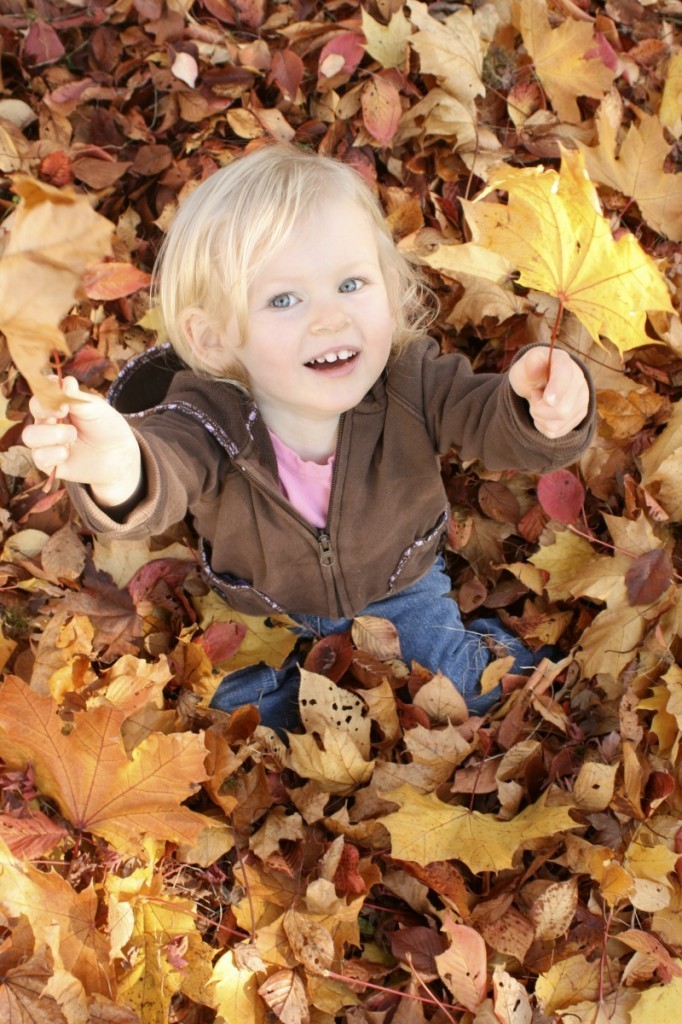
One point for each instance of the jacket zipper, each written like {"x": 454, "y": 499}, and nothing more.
{"x": 323, "y": 537}
{"x": 324, "y": 544}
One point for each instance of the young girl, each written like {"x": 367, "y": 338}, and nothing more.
{"x": 298, "y": 413}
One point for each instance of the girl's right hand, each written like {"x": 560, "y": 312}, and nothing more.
{"x": 87, "y": 442}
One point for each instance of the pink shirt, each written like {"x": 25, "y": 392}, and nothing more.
{"x": 307, "y": 485}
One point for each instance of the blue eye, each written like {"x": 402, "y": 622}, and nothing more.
{"x": 283, "y": 301}
{"x": 353, "y": 284}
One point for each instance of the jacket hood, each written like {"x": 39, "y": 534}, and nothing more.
{"x": 158, "y": 380}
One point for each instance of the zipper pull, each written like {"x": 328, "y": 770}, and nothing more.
{"x": 326, "y": 553}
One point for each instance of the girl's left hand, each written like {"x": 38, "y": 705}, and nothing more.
{"x": 557, "y": 394}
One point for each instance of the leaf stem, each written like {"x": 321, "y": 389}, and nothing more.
{"x": 555, "y": 334}
{"x": 383, "y": 988}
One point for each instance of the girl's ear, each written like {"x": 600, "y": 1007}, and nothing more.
{"x": 208, "y": 348}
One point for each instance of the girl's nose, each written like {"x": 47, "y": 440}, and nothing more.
{"x": 328, "y": 319}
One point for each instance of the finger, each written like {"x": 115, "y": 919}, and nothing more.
{"x": 41, "y": 413}
{"x": 45, "y": 435}
{"x": 47, "y": 459}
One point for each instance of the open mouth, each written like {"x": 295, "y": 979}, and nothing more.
{"x": 331, "y": 360}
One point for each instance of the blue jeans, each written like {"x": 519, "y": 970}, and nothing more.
{"x": 431, "y": 632}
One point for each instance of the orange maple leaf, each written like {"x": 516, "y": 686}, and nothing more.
{"x": 87, "y": 771}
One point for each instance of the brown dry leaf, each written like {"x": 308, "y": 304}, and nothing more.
{"x": 61, "y": 918}
{"x": 63, "y": 555}
{"x": 594, "y": 785}
{"x": 54, "y": 235}
{"x": 426, "y": 829}
{"x": 278, "y": 826}
{"x": 311, "y": 943}
{"x": 22, "y": 994}
{"x": 553, "y": 911}
{"x": 324, "y": 705}
{"x": 285, "y": 994}
{"x": 376, "y": 636}
{"x": 512, "y": 1004}
{"x": 451, "y": 50}
{"x": 89, "y": 774}
{"x": 441, "y": 701}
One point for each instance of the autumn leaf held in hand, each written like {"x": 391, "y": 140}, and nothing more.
{"x": 553, "y": 232}
{"x": 52, "y": 237}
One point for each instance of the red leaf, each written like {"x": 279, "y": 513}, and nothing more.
{"x": 113, "y": 280}
{"x": 347, "y": 878}
{"x": 56, "y": 169}
{"x": 349, "y": 46}
{"x": 418, "y": 946}
{"x": 331, "y": 656}
{"x": 381, "y": 109}
{"x": 221, "y": 640}
{"x": 287, "y": 71}
{"x": 42, "y": 44}
{"x": 561, "y": 495}
{"x": 170, "y": 571}
{"x": 648, "y": 577}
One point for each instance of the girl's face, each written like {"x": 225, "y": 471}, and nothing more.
{"x": 319, "y": 321}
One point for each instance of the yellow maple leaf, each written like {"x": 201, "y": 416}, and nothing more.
{"x": 88, "y": 772}
{"x": 144, "y": 919}
{"x": 337, "y": 767}
{"x": 552, "y": 230}
{"x": 53, "y": 235}
{"x": 425, "y": 830}
{"x": 635, "y": 168}
{"x": 234, "y": 992}
{"x": 559, "y": 58}
{"x": 659, "y": 1004}
{"x": 61, "y": 918}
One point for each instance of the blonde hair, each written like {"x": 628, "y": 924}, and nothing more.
{"x": 235, "y": 220}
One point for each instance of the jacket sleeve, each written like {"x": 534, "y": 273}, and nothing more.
{"x": 481, "y": 416}
{"x": 181, "y": 465}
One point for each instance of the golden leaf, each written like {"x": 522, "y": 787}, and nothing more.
{"x": 670, "y": 110}
{"x": 54, "y": 234}
{"x": 552, "y": 230}
{"x": 426, "y": 829}
{"x": 234, "y": 992}
{"x": 559, "y": 58}
{"x": 337, "y": 768}
{"x": 636, "y": 169}
{"x": 59, "y": 916}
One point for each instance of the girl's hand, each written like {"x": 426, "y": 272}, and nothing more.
{"x": 558, "y": 397}
{"x": 86, "y": 442}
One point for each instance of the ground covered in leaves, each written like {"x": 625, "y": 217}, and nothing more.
{"x": 398, "y": 860}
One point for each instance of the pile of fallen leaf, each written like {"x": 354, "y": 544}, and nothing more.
{"x": 396, "y": 860}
